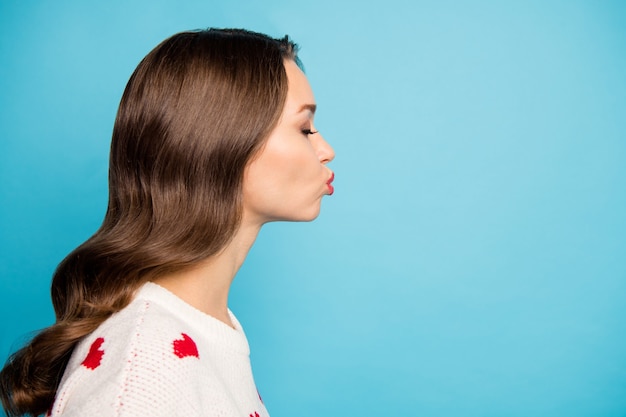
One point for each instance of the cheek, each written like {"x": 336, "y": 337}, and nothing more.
{"x": 291, "y": 163}
{"x": 280, "y": 172}
{"x": 299, "y": 171}
{"x": 284, "y": 183}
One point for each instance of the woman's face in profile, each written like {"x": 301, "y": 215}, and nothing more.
{"x": 289, "y": 177}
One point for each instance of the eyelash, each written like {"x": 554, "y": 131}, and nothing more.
{"x": 309, "y": 131}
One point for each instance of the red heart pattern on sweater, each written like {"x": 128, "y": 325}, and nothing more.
{"x": 94, "y": 357}
{"x": 185, "y": 347}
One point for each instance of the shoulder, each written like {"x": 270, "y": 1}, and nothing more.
{"x": 141, "y": 359}
{"x": 159, "y": 357}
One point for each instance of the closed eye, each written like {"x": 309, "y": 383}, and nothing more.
{"x": 309, "y": 131}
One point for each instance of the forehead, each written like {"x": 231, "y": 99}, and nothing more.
{"x": 299, "y": 90}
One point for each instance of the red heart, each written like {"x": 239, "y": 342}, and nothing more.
{"x": 92, "y": 361}
{"x": 185, "y": 347}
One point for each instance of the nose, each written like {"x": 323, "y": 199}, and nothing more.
{"x": 325, "y": 152}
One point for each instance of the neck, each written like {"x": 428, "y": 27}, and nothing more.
{"x": 206, "y": 285}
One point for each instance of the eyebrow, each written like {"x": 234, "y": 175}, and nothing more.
{"x": 311, "y": 107}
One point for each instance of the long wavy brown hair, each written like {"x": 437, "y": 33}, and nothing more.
{"x": 193, "y": 114}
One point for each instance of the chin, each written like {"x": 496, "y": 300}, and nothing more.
{"x": 310, "y": 218}
{"x": 300, "y": 216}
{"x": 311, "y": 215}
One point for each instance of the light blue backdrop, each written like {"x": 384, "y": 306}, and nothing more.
{"x": 472, "y": 261}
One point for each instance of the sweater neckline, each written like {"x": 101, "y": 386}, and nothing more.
{"x": 204, "y": 324}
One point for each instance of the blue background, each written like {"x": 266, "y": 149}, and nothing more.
{"x": 472, "y": 261}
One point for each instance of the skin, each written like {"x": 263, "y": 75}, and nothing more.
{"x": 286, "y": 181}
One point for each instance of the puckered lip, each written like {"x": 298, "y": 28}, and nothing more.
{"x": 331, "y": 189}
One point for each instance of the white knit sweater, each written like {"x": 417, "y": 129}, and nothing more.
{"x": 160, "y": 356}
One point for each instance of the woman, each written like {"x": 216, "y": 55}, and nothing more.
{"x": 213, "y": 138}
